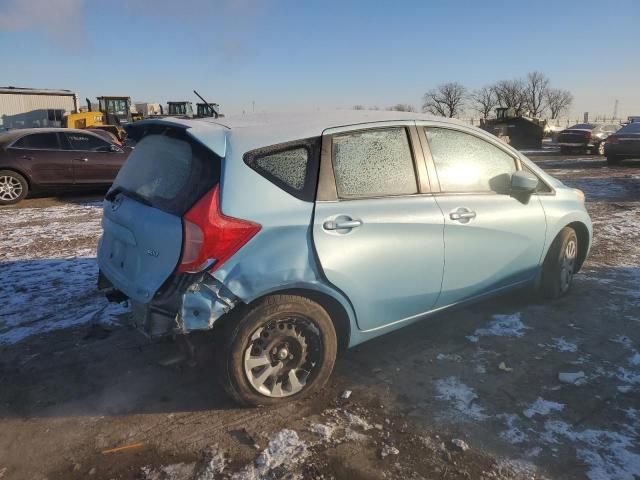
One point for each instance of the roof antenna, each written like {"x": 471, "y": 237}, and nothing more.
{"x": 215, "y": 112}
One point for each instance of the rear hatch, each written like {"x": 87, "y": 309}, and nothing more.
{"x": 164, "y": 176}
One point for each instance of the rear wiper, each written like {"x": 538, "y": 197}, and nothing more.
{"x": 111, "y": 194}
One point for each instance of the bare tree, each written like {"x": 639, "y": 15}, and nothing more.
{"x": 511, "y": 94}
{"x": 558, "y": 101}
{"x": 402, "y": 107}
{"x": 483, "y": 100}
{"x": 535, "y": 89}
{"x": 446, "y": 100}
{"x": 358, "y": 107}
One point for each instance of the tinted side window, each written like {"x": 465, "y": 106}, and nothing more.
{"x": 90, "y": 143}
{"x": 373, "y": 163}
{"x": 38, "y": 141}
{"x": 466, "y": 163}
{"x": 292, "y": 166}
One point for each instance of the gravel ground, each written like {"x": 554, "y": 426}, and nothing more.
{"x": 511, "y": 388}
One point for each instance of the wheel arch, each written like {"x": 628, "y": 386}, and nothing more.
{"x": 20, "y": 172}
{"x": 582, "y": 232}
{"x": 337, "y": 312}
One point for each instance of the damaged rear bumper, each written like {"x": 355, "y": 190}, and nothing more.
{"x": 185, "y": 303}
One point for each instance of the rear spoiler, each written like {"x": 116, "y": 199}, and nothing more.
{"x": 211, "y": 135}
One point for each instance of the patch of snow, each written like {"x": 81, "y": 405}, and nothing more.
{"x": 452, "y": 357}
{"x": 515, "y": 469}
{"x": 323, "y": 431}
{"x": 285, "y": 450}
{"x": 628, "y": 376}
{"x": 357, "y": 421}
{"x": 542, "y": 407}
{"x": 573, "y": 378}
{"x": 214, "y": 463}
{"x": 562, "y": 345}
{"x": 622, "y": 340}
{"x": 635, "y": 359}
{"x": 607, "y": 454}
{"x": 502, "y": 326}
{"x": 461, "y": 396}
{"x": 512, "y": 434}
{"x": 388, "y": 450}
{"x": 48, "y": 271}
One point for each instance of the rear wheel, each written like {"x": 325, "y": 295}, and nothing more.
{"x": 601, "y": 148}
{"x": 282, "y": 349}
{"x": 13, "y": 187}
{"x": 560, "y": 264}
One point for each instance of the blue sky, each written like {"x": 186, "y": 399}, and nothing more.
{"x": 286, "y": 54}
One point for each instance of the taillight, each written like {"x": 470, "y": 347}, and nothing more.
{"x": 612, "y": 139}
{"x": 587, "y": 135}
{"x": 210, "y": 237}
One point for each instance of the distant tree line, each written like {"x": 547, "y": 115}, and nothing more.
{"x": 532, "y": 95}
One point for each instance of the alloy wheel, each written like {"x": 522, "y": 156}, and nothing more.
{"x": 567, "y": 264}
{"x": 282, "y": 355}
{"x": 10, "y": 188}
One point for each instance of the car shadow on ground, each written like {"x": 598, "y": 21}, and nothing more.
{"x": 112, "y": 369}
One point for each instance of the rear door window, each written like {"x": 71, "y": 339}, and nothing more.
{"x": 38, "y": 141}
{"x": 466, "y": 163}
{"x": 86, "y": 143}
{"x": 373, "y": 163}
{"x": 169, "y": 172}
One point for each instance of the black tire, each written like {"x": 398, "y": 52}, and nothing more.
{"x": 612, "y": 160}
{"x": 267, "y": 315}
{"x": 11, "y": 179}
{"x": 560, "y": 264}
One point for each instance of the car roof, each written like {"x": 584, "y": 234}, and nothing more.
{"x": 252, "y": 131}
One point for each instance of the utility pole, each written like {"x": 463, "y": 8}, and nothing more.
{"x": 615, "y": 109}
{"x": 253, "y": 105}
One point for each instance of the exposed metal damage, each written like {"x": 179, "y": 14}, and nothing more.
{"x": 203, "y": 303}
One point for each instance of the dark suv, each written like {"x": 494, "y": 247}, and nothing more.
{"x": 44, "y": 159}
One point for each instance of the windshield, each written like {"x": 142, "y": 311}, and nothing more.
{"x": 168, "y": 172}
{"x": 583, "y": 126}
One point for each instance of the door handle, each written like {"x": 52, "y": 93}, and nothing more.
{"x": 82, "y": 159}
{"x": 462, "y": 215}
{"x": 27, "y": 157}
{"x": 342, "y": 224}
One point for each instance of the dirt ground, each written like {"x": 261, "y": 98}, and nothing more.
{"x": 473, "y": 393}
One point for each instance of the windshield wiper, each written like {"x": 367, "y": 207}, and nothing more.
{"x": 111, "y": 194}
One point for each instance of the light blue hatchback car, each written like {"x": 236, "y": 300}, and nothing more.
{"x": 297, "y": 235}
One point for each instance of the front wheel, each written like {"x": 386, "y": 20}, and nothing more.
{"x": 560, "y": 264}
{"x": 282, "y": 349}
{"x": 13, "y": 187}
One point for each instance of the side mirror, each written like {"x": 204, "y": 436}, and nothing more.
{"x": 523, "y": 183}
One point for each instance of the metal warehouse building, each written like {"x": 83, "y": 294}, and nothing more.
{"x": 30, "y": 107}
